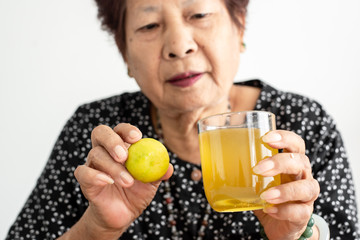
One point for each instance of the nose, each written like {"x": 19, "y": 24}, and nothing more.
{"x": 179, "y": 42}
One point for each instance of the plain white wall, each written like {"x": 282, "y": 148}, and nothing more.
{"x": 54, "y": 57}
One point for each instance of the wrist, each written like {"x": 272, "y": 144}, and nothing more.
{"x": 322, "y": 228}
{"x": 88, "y": 229}
{"x": 96, "y": 230}
{"x": 316, "y": 229}
{"x": 315, "y": 235}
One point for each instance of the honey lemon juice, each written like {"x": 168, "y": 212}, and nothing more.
{"x": 227, "y": 158}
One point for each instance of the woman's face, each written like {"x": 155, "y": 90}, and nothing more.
{"x": 184, "y": 54}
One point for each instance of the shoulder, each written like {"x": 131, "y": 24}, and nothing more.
{"x": 76, "y": 134}
{"x": 290, "y": 107}
{"x": 295, "y": 112}
{"x": 111, "y": 110}
{"x": 284, "y": 103}
{"x": 304, "y": 116}
{"x": 121, "y": 101}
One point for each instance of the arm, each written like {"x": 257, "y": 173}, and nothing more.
{"x": 115, "y": 198}
{"x": 86, "y": 229}
{"x": 337, "y": 201}
{"x": 60, "y": 204}
{"x": 292, "y": 201}
{"x": 56, "y": 202}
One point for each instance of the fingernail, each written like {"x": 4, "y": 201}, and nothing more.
{"x": 271, "y": 210}
{"x": 126, "y": 177}
{"x": 133, "y": 134}
{"x": 120, "y": 152}
{"x": 270, "y": 194}
{"x": 271, "y": 137}
{"x": 105, "y": 178}
{"x": 264, "y": 166}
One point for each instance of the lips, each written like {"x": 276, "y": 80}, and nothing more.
{"x": 186, "y": 79}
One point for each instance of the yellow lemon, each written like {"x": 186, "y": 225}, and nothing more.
{"x": 148, "y": 160}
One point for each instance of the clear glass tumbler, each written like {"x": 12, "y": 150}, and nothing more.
{"x": 230, "y": 146}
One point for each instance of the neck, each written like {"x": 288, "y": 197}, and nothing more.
{"x": 179, "y": 130}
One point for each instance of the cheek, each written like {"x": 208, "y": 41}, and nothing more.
{"x": 143, "y": 63}
{"x": 144, "y": 68}
{"x": 223, "y": 54}
{"x": 224, "y": 63}
{"x": 223, "y": 48}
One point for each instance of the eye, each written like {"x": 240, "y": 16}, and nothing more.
{"x": 149, "y": 27}
{"x": 200, "y": 15}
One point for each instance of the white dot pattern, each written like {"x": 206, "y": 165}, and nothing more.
{"x": 57, "y": 202}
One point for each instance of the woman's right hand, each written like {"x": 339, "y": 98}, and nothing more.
{"x": 115, "y": 198}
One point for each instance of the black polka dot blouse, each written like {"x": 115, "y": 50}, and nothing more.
{"x": 57, "y": 203}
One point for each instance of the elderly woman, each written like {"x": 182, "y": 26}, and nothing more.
{"x": 184, "y": 55}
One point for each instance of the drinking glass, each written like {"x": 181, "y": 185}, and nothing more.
{"x": 230, "y": 146}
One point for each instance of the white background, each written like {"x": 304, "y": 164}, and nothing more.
{"x": 54, "y": 57}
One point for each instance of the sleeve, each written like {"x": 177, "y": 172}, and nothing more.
{"x": 337, "y": 200}
{"x": 56, "y": 202}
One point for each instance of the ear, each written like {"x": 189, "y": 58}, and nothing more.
{"x": 126, "y": 61}
{"x": 241, "y": 32}
{"x": 129, "y": 64}
{"x": 126, "y": 57}
{"x": 129, "y": 73}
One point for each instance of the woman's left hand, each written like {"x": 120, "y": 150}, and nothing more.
{"x": 293, "y": 200}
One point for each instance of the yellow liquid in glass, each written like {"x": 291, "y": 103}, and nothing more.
{"x": 227, "y": 158}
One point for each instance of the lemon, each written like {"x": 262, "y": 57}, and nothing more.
{"x": 148, "y": 160}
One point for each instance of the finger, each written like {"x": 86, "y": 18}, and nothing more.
{"x": 104, "y": 136}
{"x": 166, "y": 176}
{"x": 100, "y": 159}
{"x": 303, "y": 191}
{"x": 168, "y": 173}
{"x": 285, "y": 163}
{"x": 128, "y": 132}
{"x": 91, "y": 180}
{"x": 281, "y": 139}
{"x": 293, "y": 212}
{"x": 87, "y": 177}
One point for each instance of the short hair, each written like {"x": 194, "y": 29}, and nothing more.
{"x": 112, "y": 14}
